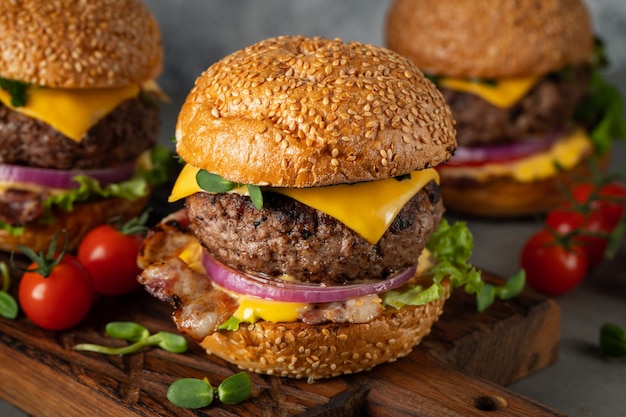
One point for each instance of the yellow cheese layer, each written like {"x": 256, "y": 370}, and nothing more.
{"x": 565, "y": 154}
{"x": 503, "y": 93}
{"x": 252, "y": 309}
{"x": 37, "y": 189}
{"x": 368, "y": 208}
{"x": 71, "y": 111}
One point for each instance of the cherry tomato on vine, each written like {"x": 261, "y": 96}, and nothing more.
{"x": 109, "y": 253}
{"x": 553, "y": 267}
{"x": 591, "y": 230}
{"x": 609, "y": 200}
{"x": 55, "y": 291}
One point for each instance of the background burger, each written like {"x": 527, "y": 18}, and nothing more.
{"x": 78, "y": 115}
{"x": 310, "y": 196}
{"x": 524, "y": 88}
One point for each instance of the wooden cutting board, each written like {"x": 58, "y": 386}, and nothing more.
{"x": 458, "y": 370}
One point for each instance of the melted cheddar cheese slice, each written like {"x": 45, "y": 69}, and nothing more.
{"x": 252, "y": 309}
{"x": 504, "y": 93}
{"x": 74, "y": 111}
{"x": 368, "y": 208}
{"x": 564, "y": 153}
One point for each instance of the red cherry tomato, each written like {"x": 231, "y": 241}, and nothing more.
{"x": 609, "y": 200}
{"x": 110, "y": 256}
{"x": 59, "y": 301}
{"x": 551, "y": 267}
{"x": 590, "y": 227}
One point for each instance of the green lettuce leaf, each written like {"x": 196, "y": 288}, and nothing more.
{"x": 451, "y": 246}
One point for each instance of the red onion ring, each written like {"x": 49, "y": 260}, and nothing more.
{"x": 298, "y": 292}
{"x": 478, "y": 154}
{"x": 56, "y": 178}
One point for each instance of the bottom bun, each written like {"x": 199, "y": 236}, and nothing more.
{"x": 504, "y": 197}
{"x": 298, "y": 350}
{"x": 78, "y": 222}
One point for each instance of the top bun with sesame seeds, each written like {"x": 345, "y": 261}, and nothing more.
{"x": 301, "y": 112}
{"x": 79, "y": 44}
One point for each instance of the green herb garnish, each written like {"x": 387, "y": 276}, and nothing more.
{"x": 213, "y": 183}
{"x": 512, "y": 288}
{"x": 191, "y": 393}
{"x": 134, "y": 332}
{"x": 8, "y": 305}
{"x": 196, "y": 393}
{"x": 235, "y": 388}
{"x": 613, "y": 340}
{"x": 17, "y": 90}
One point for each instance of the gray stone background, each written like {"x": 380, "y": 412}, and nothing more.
{"x": 199, "y": 32}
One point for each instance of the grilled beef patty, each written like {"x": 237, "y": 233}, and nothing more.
{"x": 549, "y": 104}
{"x": 119, "y": 137}
{"x": 288, "y": 237}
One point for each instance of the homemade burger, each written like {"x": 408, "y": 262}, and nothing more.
{"x": 514, "y": 75}
{"x": 310, "y": 196}
{"x": 79, "y": 116}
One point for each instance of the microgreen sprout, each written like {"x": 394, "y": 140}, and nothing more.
{"x": 235, "y": 388}
{"x": 510, "y": 289}
{"x": 141, "y": 338}
{"x": 17, "y": 90}
{"x": 127, "y": 330}
{"x": 196, "y": 393}
{"x": 191, "y": 393}
{"x": 8, "y": 305}
{"x": 215, "y": 184}
{"x": 613, "y": 340}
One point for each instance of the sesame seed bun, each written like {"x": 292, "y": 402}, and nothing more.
{"x": 79, "y": 44}
{"x": 300, "y": 112}
{"x": 531, "y": 37}
{"x": 298, "y": 350}
{"x": 77, "y": 223}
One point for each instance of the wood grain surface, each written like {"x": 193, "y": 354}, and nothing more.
{"x": 460, "y": 369}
